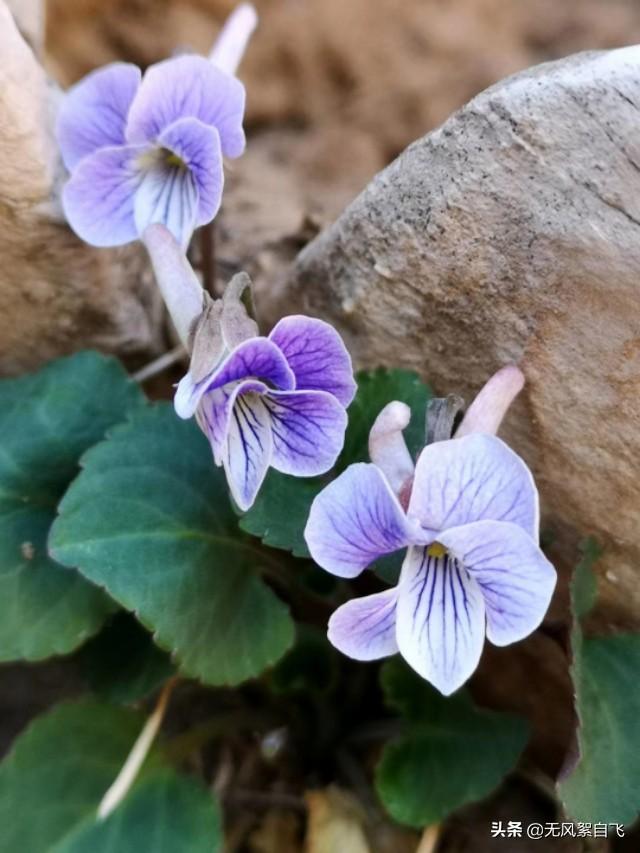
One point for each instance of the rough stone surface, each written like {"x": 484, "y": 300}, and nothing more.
{"x": 512, "y": 233}
{"x": 57, "y": 294}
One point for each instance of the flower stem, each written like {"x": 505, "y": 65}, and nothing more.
{"x": 130, "y": 769}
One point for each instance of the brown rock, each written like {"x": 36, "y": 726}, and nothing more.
{"x": 512, "y": 233}
{"x": 57, "y": 294}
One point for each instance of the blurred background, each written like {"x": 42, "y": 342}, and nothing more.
{"x": 337, "y": 88}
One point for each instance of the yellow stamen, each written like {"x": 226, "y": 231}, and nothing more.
{"x": 174, "y": 160}
{"x": 436, "y": 550}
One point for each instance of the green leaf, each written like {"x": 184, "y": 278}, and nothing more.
{"x": 166, "y": 813}
{"x": 149, "y": 518}
{"x": 47, "y": 421}
{"x": 60, "y": 768}
{"x": 451, "y": 753}
{"x": 584, "y": 588}
{"x": 122, "y": 664}
{"x": 603, "y": 782}
{"x": 309, "y": 667}
{"x": 280, "y": 513}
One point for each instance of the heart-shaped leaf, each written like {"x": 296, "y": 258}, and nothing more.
{"x": 601, "y": 782}
{"x": 47, "y": 421}
{"x": 149, "y": 519}
{"x": 451, "y": 753}
{"x": 59, "y": 769}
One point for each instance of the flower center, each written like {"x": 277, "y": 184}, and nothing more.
{"x": 436, "y": 550}
{"x": 172, "y": 159}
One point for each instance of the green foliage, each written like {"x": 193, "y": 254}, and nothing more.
{"x": 584, "y": 587}
{"x": 166, "y": 813}
{"x": 149, "y": 519}
{"x": 603, "y": 784}
{"x": 310, "y": 666}
{"x": 122, "y": 664}
{"x": 47, "y": 421}
{"x": 59, "y": 770}
{"x": 280, "y": 513}
{"x": 450, "y": 753}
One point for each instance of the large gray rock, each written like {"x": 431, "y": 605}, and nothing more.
{"x": 512, "y": 233}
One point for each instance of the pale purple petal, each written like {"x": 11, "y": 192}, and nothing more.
{"x": 98, "y": 198}
{"x": 188, "y": 395}
{"x": 365, "y": 628}
{"x": 355, "y": 520}
{"x": 308, "y": 431}
{"x": 440, "y": 619}
{"x": 475, "y": 478}
{"x": 93, "y": 113}
{"x": 516, "y": 579}
{"x": 198, "y": 146}
{"x": 247, "y": 453}
{"x": 214, "y": 412}
{"x": 167, "y": 194}
{"x": 188, "y": 87}
{"x": 256, "y": 358}
{"x": 317, "y": 356}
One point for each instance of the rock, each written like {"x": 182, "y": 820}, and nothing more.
{"x": 57, "y": 294}
{"x": 512, "y": 233}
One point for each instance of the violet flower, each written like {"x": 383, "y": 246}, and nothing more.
{"x": 148, "y": 149}
{"x": 469, "y": 517}
{"x": 276, "y": 401}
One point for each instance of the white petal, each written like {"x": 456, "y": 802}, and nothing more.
{"x": 168, "y": 195}
{"x": 248, "y": 448}
{"x": 440, "y": 621}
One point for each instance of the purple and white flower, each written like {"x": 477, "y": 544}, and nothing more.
{"x": 148, "y": 149}
{"x": 469, "y": 517}
{"x": 276, "y": 401}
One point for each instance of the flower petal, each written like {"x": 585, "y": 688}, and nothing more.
{"x": 317, "y": 356}
{"x": 516, "y": 579}
{"x": 355, "y": 520}
{"x": 188, "y": 87}
{"x": 475, "y": 478}
{"x": 168, "y": 195}
{"x": 365, "y": 628}
{"x": 198, "y": 146}
{"x": 255, "y": 358}
{"x": 308, "y": 431}
{"x": 440, "y": 620}
{"x": 93, "y": 113}
{"x": 214, "y": 412}
{"x": 98, "y": 198}
{"x": 248, "y": 448}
